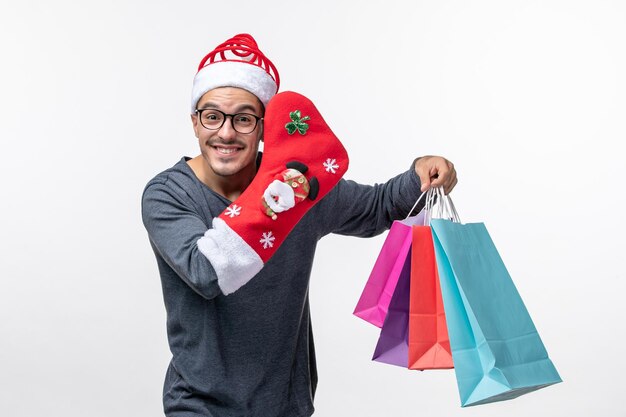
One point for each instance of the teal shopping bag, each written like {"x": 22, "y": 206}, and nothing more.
{"x": 497, "y": 352}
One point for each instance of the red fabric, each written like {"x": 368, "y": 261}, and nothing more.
{"x": 319, "y": 149}
{"x": 429, "y": 345}
{"x": 241, "y": 48}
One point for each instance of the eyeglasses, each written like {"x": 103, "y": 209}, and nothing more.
{"x": 214, "y": 119}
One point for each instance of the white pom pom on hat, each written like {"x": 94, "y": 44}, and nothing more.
{"x": 238, "y": 62}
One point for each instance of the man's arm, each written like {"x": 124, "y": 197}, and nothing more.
{"x": 174, "y": 228}
{"x": 364, "y": 210}
{"x": 367, "y": 210}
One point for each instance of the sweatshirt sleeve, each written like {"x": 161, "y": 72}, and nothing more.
{"x": 367, "y": 210}
{"x": 174, "y": 228}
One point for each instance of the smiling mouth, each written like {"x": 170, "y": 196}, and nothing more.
{"x": 226, "y": 151}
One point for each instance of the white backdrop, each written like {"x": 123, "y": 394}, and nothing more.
{"x": 525, "y": 97}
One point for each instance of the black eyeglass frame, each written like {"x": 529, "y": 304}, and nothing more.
{"x": 232, "y": 117}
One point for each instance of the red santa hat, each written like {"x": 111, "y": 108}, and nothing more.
{"x": 238, "y": 62}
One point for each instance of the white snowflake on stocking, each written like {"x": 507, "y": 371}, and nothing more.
{"x": 267, "y": 240}
{"x": 233, "y": 211}
{"x": 331, "y": 165}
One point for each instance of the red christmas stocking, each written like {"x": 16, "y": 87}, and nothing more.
{"x": 302, "y": 161}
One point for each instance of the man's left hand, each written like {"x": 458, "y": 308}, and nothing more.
{"x": 435, "y": 171}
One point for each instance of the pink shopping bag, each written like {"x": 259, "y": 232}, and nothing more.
{"x": 374, "y": 302}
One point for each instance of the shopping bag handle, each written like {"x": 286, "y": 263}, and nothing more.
{"x": 444, "y": 210}
{"x": 444, "y": 205}
{"x": 415, "y": 205}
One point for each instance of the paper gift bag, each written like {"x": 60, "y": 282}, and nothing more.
{"x": 393, "y": 343}
{"x": 497, "y": 352}
{"x": 376, "y": 296}
{"x": 429, "y": 346}
{"x": 414, "y": 333}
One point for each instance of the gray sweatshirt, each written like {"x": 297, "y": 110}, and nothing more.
{"x": 249, "y": 353}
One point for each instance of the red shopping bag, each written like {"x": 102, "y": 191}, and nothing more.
{"x": 429, "y": 345}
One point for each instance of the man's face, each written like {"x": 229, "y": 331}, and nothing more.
{"x": 225, "y": 151}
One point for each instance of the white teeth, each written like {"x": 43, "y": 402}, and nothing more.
{"x": 226, "y": 151}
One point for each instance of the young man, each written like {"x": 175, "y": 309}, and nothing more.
{"x": 242, "y": 345}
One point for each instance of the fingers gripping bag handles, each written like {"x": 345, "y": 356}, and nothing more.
{"x": 376, "y": 296}
{"x": 497, "y": 352}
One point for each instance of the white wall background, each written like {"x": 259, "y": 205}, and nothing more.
{"x": 526, "y": 98}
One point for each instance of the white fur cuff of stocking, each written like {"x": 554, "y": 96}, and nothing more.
{"x": 233, "y": 260}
